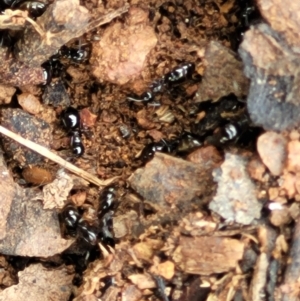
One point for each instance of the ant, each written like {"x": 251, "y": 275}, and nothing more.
{"x": 76, "y": 226}
{"x": 175, "y": 77}
{"x": 35, "y": 8}
{"x": 71, "y": 120}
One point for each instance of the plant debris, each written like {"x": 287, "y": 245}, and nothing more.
{"x": 217, "y": 254}
{"x": 155, "y": 157}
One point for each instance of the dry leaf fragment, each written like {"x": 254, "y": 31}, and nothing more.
{"x": 13, "y": 19}
{"x": 56, "y": 193}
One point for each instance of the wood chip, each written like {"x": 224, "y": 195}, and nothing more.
{"x": 267, "y": 238}
{"x": 208, "y": 255}
{"x": 290, "y": 288}
{"x": 127, "y": 224}
{"x": 131, "y": 293}
{"x": 208, "y": 157}
{"x": 87, "y": 118}
{"x": 165, "y": 269}
{"x": 143, "y": 251}
{"x": 256, "y": 169}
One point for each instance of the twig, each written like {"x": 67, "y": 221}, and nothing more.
{"x": 36, "y": 26}
{"x": 55, "y": 158}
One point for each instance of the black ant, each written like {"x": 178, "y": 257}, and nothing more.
{"x": 175, "y": 77}
{"x": 182, "y": 145}
{"x": 71, "y": 120}
{"x": 102, "y": 230}
{"x": 75, "y": 54}
{"x": 35, "y": 8}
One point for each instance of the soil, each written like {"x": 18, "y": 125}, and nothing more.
{"x": 203, "y": 176}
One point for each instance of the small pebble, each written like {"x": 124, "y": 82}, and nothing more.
{"x": 272, "y": 151}
{"x": 29, "y": 103}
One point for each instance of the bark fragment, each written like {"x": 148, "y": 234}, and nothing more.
{"x": 220, "y": 62}
{"x": 267, "y": 237}
{"x": 39, "y": 283}
{"x": 208, "y": 255}
{"x": 167, "y": 181}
